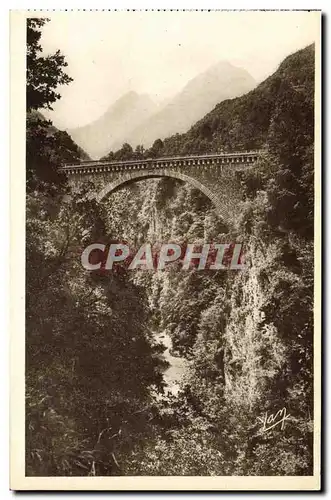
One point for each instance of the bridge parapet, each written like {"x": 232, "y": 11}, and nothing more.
{"x": 230, "y": 159}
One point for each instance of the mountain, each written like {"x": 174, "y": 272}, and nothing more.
{"x": 65, "y": 141}
{"x": 199, "y": 96}
{"x": 111, "y": 129}
{"x": 246, "y": 123}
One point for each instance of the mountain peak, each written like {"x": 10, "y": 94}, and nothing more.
{"x": 200, "y": 95}
{"x": 111, "y": 128}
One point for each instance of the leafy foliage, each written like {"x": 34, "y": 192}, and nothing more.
{"x": 43, "y": 74}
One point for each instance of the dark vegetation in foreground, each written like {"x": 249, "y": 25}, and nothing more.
{"x": 92, "y": 365}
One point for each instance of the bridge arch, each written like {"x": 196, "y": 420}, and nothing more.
{"x": 135, "y": 176}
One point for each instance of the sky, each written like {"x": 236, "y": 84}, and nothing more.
{"x": 111, "y": 53}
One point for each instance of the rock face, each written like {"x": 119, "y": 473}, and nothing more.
{"x": 111, "y": 129}
{"x": 199, "y": 96}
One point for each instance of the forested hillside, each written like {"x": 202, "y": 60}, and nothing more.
{"x": 96, "y": 401}
{"x": 46, "y": 149}
{"x": 246, "y": 123}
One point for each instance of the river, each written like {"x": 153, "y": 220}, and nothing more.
{"x": 173, "y": 375}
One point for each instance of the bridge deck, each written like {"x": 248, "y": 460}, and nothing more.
{"x": 169, "y": 161}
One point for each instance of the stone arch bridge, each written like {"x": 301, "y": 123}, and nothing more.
{"x": 216, "y": 175}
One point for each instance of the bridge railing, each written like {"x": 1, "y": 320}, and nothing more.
{"x": 96, "y": 163}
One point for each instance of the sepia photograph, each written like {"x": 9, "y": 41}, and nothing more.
{"x": 166, "y": 291}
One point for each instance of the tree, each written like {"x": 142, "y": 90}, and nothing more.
{"x": 139, "y": 152}
{"x": 156, "y": 149}
{"x": 46, "y": 147}
{"x": 125, "y": 153}
{"x": 43, "y": 74}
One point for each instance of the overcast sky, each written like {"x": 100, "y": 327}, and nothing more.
{"x": 111, "y": 53}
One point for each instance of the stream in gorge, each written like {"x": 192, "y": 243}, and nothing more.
{"x": 173, "y": 375}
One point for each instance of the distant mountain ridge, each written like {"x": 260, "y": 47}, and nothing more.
{"x": 137, "y": 120}
{"x": 200, "y": 95}
{"x": 98, "y": 137}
